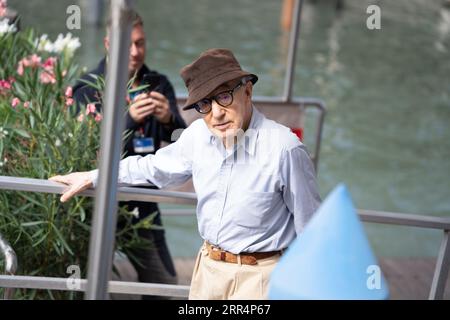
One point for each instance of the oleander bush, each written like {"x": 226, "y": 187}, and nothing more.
{"x": 41, "y": 136}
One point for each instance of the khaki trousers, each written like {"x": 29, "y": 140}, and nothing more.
{"x": 214, "y": 280}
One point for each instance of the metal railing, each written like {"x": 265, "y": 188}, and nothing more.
{"x": 126, "y": 193}
{"x": 10, "y": 264}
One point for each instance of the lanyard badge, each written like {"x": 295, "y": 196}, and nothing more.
{"x": 143, "y": 144}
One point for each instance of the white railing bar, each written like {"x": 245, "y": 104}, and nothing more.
{"x": 141, "y": 194}
{"x": 405, "y": 219}
{"x": 123, "y": 193}
{"x": 68, "y": 284}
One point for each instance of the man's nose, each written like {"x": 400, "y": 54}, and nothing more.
{"x": 217, "y": 110}
{"x": 133, "y": 50}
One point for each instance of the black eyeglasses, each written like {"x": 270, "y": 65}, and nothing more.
{"x": 224, "y": 99}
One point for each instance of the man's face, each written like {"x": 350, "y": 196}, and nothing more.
{"x": 225, "y": 122}
{"x": 137, "y": 49}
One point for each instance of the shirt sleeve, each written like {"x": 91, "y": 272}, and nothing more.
{"x": 299, "y": 186}
{"x": 170, "y": 165}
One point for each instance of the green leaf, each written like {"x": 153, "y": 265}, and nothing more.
{"x": 61, "y": 238}
{"x": 34, "y": 223}
{"x": 22, "y": 133}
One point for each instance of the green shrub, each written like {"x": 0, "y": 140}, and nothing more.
{"x": 40, "y": 136}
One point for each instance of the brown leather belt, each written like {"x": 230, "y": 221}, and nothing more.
{"x": 218, "y": 254}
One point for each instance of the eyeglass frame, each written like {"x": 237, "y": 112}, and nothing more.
{"x": 231, "y": 92}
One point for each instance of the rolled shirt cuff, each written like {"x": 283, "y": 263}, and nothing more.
{"x": 94, "y": 177}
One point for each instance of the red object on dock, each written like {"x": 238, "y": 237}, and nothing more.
{"x": 298, "y": 132}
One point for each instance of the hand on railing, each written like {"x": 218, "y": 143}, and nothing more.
{"x": 77, "y": 182}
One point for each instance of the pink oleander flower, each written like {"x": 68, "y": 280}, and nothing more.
{"x": 69, "y": 92}
{"x": 69, "y": 102}
{"x": 90, "y": 108}
{"x": 80, "y": 117}
{"x": 32, "y": 61}
{"x": 5, "y": 84}
{"x": 98, "y": 117}
{"x": 3, "y": 7}
{"x": 47, "y": 77}
{"x": 20, "y": 68}
{"x": 35, "y": 61}
{"x": 15, "y": 102}
{"x": 49, "y": 64}
{"x": 26, "y": 104}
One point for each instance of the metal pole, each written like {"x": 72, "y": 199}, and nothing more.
{"x": 105, "y": 214}
{"x": 441, "y": 270}
{"x": 10, "y": 264}
{"x": 293, "y": 39}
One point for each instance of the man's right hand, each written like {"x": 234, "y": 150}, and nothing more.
{"x": 77, "y": 182}
{"x": 142, "y": 106}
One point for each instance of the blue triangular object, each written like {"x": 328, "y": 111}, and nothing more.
{"x": 331, "y": 259}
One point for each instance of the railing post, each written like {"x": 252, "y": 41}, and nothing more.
{"x": 105, "y": 214}
{"x": 441, "y": 270}
{"x": 10, "y": 264}
{"x": 319, "y": 128}
{"x": 292, "y": 53}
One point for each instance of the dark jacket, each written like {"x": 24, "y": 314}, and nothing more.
{"x": 83, "y": 94}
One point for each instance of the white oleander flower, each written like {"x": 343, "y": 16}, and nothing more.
{"x": 66, "y": 44}
{"x": 5, "y": 27}
{"x": 3, "y": 133}
{"x": 44, "y": 44}
{"x": 135, "y": 212}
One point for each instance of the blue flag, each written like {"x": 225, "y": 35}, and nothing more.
{"x": 331, "y": 259}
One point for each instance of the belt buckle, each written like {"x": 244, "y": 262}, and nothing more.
{"x": 223, "y": 254}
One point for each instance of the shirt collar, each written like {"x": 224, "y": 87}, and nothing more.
{"x": 250, "y": 135}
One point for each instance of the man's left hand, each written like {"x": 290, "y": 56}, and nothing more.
{"x": 162, "y": 110}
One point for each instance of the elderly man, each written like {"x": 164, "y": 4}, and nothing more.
{"x": 254, "y": 180}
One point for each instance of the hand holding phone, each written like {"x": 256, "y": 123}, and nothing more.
{"x": 152, "y": 80}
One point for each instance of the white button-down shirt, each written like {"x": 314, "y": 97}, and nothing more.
{"x": 253, "y": 198}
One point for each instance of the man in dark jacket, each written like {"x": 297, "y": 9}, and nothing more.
{"x": 151, "y": 118}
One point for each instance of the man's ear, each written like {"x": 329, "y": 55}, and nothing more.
{"x": 249, "y": 90}
{"x": 106, "y": 43}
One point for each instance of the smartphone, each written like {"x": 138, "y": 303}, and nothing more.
{"x": 152, "y": 80}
